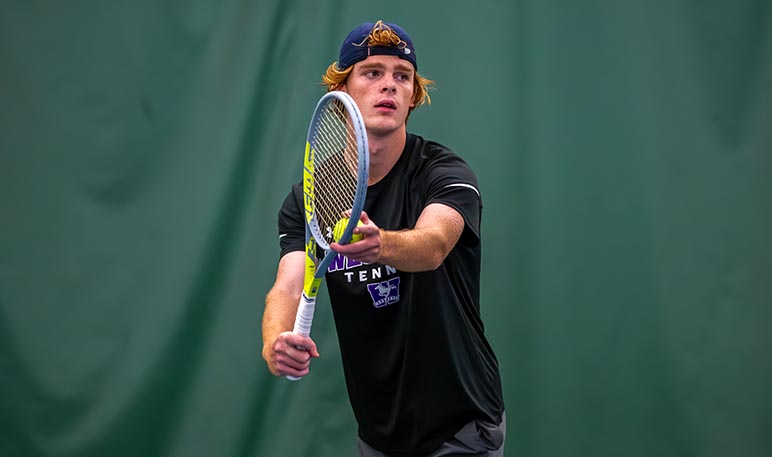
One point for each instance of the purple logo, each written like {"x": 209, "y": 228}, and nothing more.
{"x": 385, "y": 292}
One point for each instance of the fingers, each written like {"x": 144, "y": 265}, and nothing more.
{"x": 368, "y": 229}
{"x": 365, "y": 250}
{"x": 300, "y": 342}
{"x": 292, "y": 355}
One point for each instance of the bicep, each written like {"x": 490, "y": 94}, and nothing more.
{"x": 289, "y": 275}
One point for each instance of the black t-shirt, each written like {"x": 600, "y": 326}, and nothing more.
{"x": 416, "y": 361}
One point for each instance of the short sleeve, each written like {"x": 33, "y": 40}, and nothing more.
{"x": 292, "y": 234}
{"x": 452, "y": 182}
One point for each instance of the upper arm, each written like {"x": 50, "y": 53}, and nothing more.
{"x": 290, "y": 274}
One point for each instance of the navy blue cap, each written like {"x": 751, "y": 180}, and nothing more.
{"x": 355, "y": 49}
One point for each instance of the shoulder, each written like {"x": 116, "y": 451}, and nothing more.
{"x": 435, "y": 160}
{"x": 429, "y": 149}
{"x": 429, "y": 155}
{"x": 293, "y": 202}
{"x": 291, "y": 222}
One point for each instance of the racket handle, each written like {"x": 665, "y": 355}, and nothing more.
{"x": 303, "y": 320}
{"x": 305, "y": 316}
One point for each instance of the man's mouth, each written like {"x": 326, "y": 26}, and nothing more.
{"x": 386, "y": 104}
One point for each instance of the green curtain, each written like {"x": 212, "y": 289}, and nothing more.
{"x": 624, "y": 152}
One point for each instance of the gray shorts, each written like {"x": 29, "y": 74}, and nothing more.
{"x": 477, "y": 438}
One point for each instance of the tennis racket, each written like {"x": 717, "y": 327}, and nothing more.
{"x": 335, "y": 171}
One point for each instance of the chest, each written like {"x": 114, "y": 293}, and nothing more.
{"x": 397, "y": 204}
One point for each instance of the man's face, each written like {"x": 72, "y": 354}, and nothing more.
{"x": 382, "y": 87}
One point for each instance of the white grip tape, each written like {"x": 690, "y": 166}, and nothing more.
{"x": 305, "y": 316}
{"x": 303, "y": 321}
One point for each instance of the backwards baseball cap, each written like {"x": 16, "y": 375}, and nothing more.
{"x": 355, "y": 48}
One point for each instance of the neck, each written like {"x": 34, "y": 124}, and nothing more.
{"x": 384, "y": 153}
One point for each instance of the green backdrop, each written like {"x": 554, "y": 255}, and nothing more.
{"x": 624, "y": 152}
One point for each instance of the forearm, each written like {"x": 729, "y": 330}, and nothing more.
{"x": 279, "y": 315}
{"x": 281, "y": 302}
{"x": 412, "y": 250}
{"x": 421, "y": 248}
{"x": 426, "y": 246}
{"x": 286, "y": 353}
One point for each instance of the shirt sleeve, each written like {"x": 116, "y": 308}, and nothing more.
{"x": 292, "y": 232}
{"x": 452, "y": 182}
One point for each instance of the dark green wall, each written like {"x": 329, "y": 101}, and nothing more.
{"x": 624, "y": 152}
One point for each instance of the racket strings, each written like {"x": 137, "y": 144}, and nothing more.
{"x": 336, "y": 163}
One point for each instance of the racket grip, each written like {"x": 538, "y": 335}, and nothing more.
{"x": 303, "y": 320}
{"x": 305, "y": 316}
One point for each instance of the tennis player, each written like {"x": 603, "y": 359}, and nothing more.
{"x": 421, "y": 376}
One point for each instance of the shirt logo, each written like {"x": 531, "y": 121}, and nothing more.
{"x": 385, "y": 292}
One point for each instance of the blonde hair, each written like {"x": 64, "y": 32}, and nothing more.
{"x": 380, "y": 35}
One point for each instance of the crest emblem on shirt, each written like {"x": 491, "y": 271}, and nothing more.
{"x": 385, "y": 292}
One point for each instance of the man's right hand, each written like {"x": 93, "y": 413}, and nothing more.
{"x": 290, "y": 354}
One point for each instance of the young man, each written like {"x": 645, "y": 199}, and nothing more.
{"x": 421, "y": 376}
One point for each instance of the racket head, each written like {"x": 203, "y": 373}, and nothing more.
{"x": 336, "y": 166}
